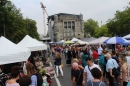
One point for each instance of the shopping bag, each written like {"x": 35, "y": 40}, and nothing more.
{"x": 62, "y": 65}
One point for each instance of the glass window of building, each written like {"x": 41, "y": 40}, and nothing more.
{"x": 65, "y": 24}
{"x": 69, "y": 24}
{"x": 73, "y": 25}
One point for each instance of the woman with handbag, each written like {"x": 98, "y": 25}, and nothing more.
{"x": 58, "y": 64}
{"x": 77, "y": 75}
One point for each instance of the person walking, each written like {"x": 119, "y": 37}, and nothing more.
{"x": 58, "y": 64}
{"x": 84, "y": 56}
{"x": 77, "y": 75}
{"x": 97, "y": 78}
{"x": 25, "y": 81}
{"x": 124, "y": 70}
{"x": 66, "y": 52}
{"x": 14, "y": 77}
{"x": 87, "y": 75}
{"x": 31, "y": 72}
{"x": 69, "y": 54}
{"x": 111, "y": 64}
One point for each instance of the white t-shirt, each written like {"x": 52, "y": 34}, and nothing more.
{"x": 100, "y": 50}
{"x": 89, "y": 75}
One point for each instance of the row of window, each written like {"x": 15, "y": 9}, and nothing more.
{"x": 69, "y": 24}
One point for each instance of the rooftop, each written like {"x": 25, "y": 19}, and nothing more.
{"x": 64, "y": 14}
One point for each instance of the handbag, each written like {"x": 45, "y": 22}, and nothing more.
{"x": 68, "y": 61}
{"x": 78, "y": 78}
{"x": 115, "y": 71}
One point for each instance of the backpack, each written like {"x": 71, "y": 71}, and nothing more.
{"x": 101, "y": 60}
{"x": 39, "y": 79}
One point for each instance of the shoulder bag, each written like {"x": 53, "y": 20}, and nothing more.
{"x": 77, "y": 79}
{"x": 115, "y": 71}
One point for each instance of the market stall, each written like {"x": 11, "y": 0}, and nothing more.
{"x": 32, "y": 44}
{"x": 11, "y": 53}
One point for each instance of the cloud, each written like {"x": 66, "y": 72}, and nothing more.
{"x": 99, "y": 10}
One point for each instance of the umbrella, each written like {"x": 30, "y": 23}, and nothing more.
{"x": 126, "y": 43}
{"x": 69, "y": 42}
{"x": 115, "y": 40}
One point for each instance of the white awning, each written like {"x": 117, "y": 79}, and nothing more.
{"x": 32, "y": 44}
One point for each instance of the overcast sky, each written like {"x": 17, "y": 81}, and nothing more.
{"x": 99, "y": 10}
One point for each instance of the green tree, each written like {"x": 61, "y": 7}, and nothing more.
{"x": 120, "y": 24}
{"x": 90, "y": 25}
{"x": 15, "y": 25}
{"x": 101, "y": 31}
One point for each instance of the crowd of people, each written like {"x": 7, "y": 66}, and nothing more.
{"x": 90, "y": 66}
{"x": 95, "y": 65}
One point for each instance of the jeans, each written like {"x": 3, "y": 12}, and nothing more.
{"x": 79, "y": 85}
{"x": 57, "y": 70}
{"x": 111, "y": 80}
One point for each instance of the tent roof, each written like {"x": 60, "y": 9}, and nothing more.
{"x": 74, "y": 39}
{"x": 99, "y": 40}
{"x": 32, "y": 44}
{"x": 88, "y": 39}
{"x": 82, "y": 42}
{"x": 127, "y": 36}
{"x": 11, "y": 53}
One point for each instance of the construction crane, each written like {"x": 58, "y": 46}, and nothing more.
{"x": 44, "y": 11}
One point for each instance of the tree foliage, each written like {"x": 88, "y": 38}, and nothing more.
{"x": 15, "y": 25}
{"x": 120, "y": 24}
{"x": 90, "y": 25}
{"x": 101, "y": 31}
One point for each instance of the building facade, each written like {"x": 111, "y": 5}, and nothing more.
{"x": 64, "y": 26}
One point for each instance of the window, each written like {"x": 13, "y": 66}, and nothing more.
{"x": 69, "y": 24}
{"x": 78, "y": 34}
{"x": 65, "y": 24}
{"x": 73, "y": 25}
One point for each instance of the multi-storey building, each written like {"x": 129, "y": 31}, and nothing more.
{"x": 64, "y": 26}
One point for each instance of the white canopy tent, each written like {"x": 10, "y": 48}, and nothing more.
{"x": 11, "y": 53}
{"x": 74, "y": 40}
{"x": 62, "y": 41}
{"x": 127, "y": 36}
{"x": 32, "y": 44}
{"x": 98, "y": 41}
{"x": 82, "y": 42}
